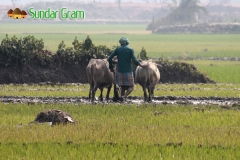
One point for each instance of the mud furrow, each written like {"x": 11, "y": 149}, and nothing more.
{"x": 138, "y": 100}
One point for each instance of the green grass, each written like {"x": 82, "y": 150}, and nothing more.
{"x": 105, "y": 151}
{"x": 75, "y": 90}
{"x": 121, "y": 132}
{"x": 220, "y": 71}
{"x": 156, "y": 45}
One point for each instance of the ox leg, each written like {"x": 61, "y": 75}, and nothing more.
{"x": 144, "y": 92}
{"x": 129, "y": 90}
{"x": 93, "y": 93}
{"x": 122, "y": 91}
{"x": 108, "y": 91}
{"x": 89, "y": 95}
{"x": 152, "y": 91}
{"x": 101, "y": 96}
{"x": 149, "y": 94}
{"x": 90, "y": 92}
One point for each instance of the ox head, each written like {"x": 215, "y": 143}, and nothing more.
{"x": 146, "y": 63}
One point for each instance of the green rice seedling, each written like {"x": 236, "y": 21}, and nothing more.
{"x": 220, "y": 71}
{"x": 121, "y": 131}
{"x": 108, "y": 151}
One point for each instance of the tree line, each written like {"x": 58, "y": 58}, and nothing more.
{"x": 18, "y": 52}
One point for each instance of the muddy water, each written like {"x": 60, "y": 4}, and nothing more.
{"x": 137, "y": 100}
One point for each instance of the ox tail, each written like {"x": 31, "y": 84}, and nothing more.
{"x": 151, "y": 85}
{"x": 148, "y": 76}
{"x": 91, "y": 73}
{"x": 155, "y": 79}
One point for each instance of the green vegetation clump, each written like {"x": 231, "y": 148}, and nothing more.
{"x": 143, "y": 54}
{"x": 81, "y": 51}
{"x": 16, "y": 52}
{"x": 181, "y": 72}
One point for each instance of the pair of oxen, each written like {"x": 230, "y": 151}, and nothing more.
{"x": 99, "y": 76}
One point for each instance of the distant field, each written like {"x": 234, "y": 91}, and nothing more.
{"x": 72, "y": 28}
{"x": 156, "y": 45}
{"x": 220, "y": 71}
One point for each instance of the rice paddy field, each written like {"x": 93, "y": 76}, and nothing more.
{"x": 127, "y": 131}
{"x": 156, "y": 45}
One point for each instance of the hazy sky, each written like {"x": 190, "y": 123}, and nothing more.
{"x": 9, "y": 2}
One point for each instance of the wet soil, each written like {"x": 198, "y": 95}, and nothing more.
{"x": 183, "y": 100}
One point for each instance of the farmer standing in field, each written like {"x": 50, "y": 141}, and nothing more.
{"x": 125, "y": 77}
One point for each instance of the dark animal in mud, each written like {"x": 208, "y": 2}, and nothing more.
{"x": 148, "y": 77}
{"x": 54, "y": 116}
{"x": 99, "y": 76}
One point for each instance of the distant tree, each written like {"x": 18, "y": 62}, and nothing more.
{"x": 143, "y": 54}
{"x": 184, "y": 13}
{"x": 87, "y": 43}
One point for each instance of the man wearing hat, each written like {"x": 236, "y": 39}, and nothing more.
{"x": 125, "y": 77}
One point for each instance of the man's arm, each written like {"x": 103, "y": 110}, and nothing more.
{"x": 114, "y": 53}
{"x": 134, "y": 58}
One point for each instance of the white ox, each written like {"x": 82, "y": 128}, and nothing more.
{"x": 147, "y": 77}
{"x": 99, "y": 76}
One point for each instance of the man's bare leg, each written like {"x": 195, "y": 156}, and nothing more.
{"x": 122, "y": 91}
{"x": 129, "y": 90}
